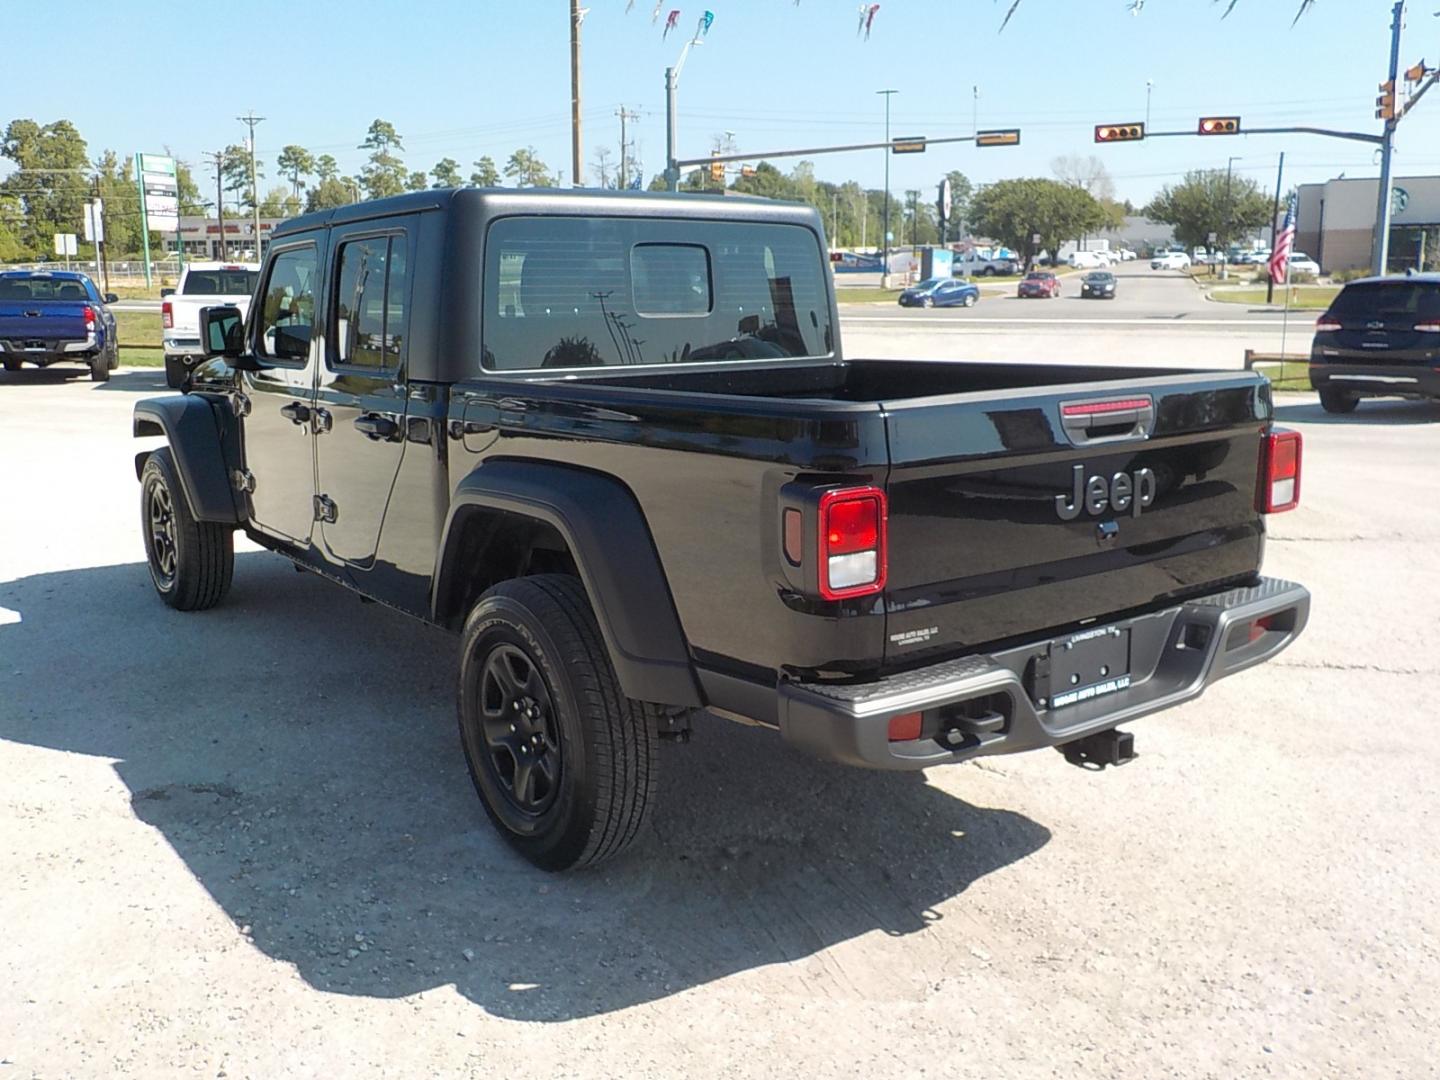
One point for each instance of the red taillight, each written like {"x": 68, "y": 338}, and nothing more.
{"x": 89, "y": 317}
{"x": 852, "y": 542}
{"x": 167, "y": 316}
{"x": 1279, "y": 487}
{"x": 1325, "y": 324}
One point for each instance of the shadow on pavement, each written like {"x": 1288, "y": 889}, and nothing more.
{"x": 299, "y": 753}
{"x": 132, "y": 380}
{"x": 1389, "y": 412}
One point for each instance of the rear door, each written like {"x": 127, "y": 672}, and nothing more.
{"x": 1387, "y": 322}
{"x": 1016, "y": 512}
{"x": 360, "y": 402}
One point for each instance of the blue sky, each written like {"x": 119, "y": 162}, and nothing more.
{"x": 462, "y": 78}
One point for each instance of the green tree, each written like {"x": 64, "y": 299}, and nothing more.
{"x": 417, "y": 181}
{"x": 329, "y": 193}
{"x": 485, "y": 174}
{"x": 1014, "y": 211}
{"x": 446, "y": 173}
{"x": 116, "y": 177}
{"x": 1205, "y": 202}
{"x": 297, "y": 163}
{"x": 235, "y": 175}
{"x": 50, "y": 182}
{"x": 279, "y": 202}
{"x": 961, "y": 192}
{"x": 192, "y": 203}
{"x": 326, "y": 167}
{"x": 527, "y": 170}
{"x": 384, "y": 174}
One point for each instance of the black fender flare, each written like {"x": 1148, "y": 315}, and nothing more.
{"x": 196, "y": 431}
{"x": 608, "y": 537}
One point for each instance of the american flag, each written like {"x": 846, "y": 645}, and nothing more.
{"x": 1280, "y": 257}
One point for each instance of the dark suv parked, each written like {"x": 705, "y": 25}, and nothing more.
{"x": 1379, "y": 338}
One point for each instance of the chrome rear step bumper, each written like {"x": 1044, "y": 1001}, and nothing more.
{"x": 998, "y": 703}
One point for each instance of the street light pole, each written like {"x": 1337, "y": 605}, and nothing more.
{"x": 1149, "y": 85}
{"x": 885, "y": 225}
{"x": 1225, "y": 219}
{"x": 672, "y": 83}
{"x": 576, "y": 16}
{"x": 1381, "y": 243}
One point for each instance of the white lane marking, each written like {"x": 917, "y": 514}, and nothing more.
{"x": 1179, "y": 324}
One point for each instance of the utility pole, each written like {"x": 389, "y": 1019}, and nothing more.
{"x": 577, "y": 15}
{"x": 672, "y": 84}
{"x": 219, "y": 157}
{"x": 1380, "y": 246}
{"x": 1225, "y": 220}
{"x": 885, "y": 226}
{"x": 624, "y": 115}
{"x": 250, "y": 120}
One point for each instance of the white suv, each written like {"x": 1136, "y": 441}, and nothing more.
{"x": 1170, "y": 260}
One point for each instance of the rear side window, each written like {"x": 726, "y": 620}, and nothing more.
{"x": 1383, "y": 299}
{"x": 592, "y": 292}
{"x": 371, "y": 302}
{"x": 220, "y": 283}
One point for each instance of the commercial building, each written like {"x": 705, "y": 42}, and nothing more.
{"x": 201, "y": 237}
{"x": 1334, "y": 223}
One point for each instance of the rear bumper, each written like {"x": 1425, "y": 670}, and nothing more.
{"x": 184, "y": 347}
{"x": 982, "y": 705}
{"x": 1376, "y": 380}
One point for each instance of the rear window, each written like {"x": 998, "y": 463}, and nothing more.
{"x": 1383, "y": 299}
{"x": 602, "y": 292}
{"x": 220, "y": 282}
{"x": 43, "y": 288}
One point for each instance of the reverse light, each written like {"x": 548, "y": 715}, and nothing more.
{"x": 1325, "y": 324}
{"x": 1428, "y": 327}
{"x": 167, "y": 316}
{"x": 852, "y": 542}
{"x": 1279, "y": 487}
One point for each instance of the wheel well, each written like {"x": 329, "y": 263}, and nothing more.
{"x": 490, "y": 546}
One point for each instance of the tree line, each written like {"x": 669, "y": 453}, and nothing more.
{"x": 54, "y": 176}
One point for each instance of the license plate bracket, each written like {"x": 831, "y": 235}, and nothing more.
{"x": 1082, "y": 667}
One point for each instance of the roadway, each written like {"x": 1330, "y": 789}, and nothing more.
{"x": 1157, "y": 317}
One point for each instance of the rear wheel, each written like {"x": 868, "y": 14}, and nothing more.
{"x": 100, "y": 367}
{"x": 1338, "y": 401}
{"x": 175, "y": 371}
{"x": 191, "y": 562}
{"x": 563, "y": 761}
{"x": 12, "y": 365}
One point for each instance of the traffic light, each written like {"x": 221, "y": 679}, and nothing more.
{"x": 1416, "y": 73}
{"x": 1107, "y": 133}
{"x": 1385, "y": 103}
{"x": 999, "y": 137}
{"x": 747, "y": 170}
{"x": 1219, "y": 125}
{"x": 717, "y": 170}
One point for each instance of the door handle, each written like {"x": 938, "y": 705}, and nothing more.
{"x": 322, "y": 420}
{"x": 376, "y": 426}
{"x": 296, "y": 412}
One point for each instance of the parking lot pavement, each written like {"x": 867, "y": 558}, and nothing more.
{"x": 244, "y": 842}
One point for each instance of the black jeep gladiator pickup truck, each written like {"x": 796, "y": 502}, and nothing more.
{"x": 613, "y": 442}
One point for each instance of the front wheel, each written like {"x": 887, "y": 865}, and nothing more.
{"x": 563, "y": 761}
{"x": 987, "y": 271}
{"x": 929, "y": 301}
{"x": 969, "y": 300}
{"x": 1338, "y": 401}
{"x": 191, "y": 562}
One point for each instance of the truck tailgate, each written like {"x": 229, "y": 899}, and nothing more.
{"x": 1066, "y": 504}
{"x": 41, "y": 320}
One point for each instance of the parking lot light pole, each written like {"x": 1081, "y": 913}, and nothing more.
{"x": 672, "y": 83}
{"x": 885, "y": 225}
{"x": 1381, "y": 243}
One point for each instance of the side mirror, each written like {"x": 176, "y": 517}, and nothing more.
{"x": 222, "y": 330}
{"x": 111, "y": 298}
{"x": 166, "y": 292}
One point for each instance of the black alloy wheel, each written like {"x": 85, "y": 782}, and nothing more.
{"x": 160, "y": 520}
{"x": 519, "y": 729}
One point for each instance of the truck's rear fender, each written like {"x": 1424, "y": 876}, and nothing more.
{"x": 200, "y": 434}
{"x": 604, "y": 529}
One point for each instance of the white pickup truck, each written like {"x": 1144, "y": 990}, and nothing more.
{"x": 977, "y": 263}
{"x": 202, "y": 284}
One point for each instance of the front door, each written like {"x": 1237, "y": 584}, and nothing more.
{"x": 279, "y": 433}
{"x": 360, "y": 401}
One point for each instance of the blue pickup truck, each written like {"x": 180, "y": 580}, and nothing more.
{"x": 54, "y": 317}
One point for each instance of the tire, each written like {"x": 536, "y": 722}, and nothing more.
{"x": 929, "y": 301}
{"x": 191, "y": 562}
{"x": 100, "y": 367}
{"x": 175, "y": 372}
{"x": 12, "y": 365}
{"x": 600, "y": 746}
{"x": 1338, "y": 401}
{"x": 969, "y": 300}
{"x": 987, "y": 271}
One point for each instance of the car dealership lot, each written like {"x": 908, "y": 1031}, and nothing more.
{"x": 286, "y": 875}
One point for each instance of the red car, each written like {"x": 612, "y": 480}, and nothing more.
{"x": 1039, "y": 283}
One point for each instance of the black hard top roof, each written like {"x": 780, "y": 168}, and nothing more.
{"x": 560, "y": 201}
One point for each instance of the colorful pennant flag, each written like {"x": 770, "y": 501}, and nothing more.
{"x": 867, "y": 19}
{"x": 670, "y": 21}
